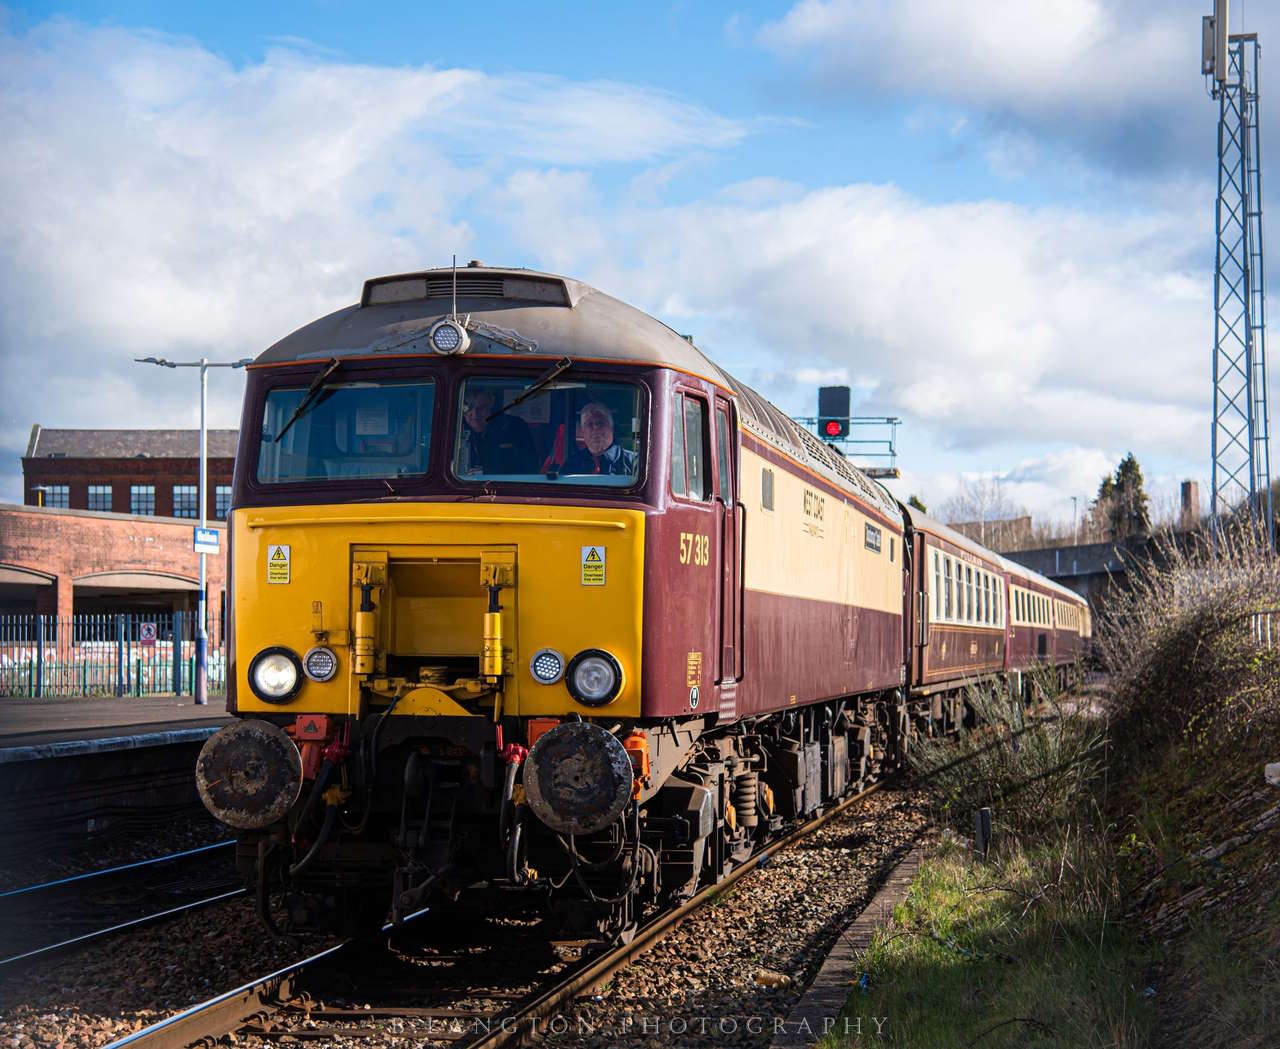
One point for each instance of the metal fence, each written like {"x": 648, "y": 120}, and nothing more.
{"x": 103, "y": 654}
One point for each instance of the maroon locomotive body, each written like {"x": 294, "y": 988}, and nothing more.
{"x": 532, "y": 602}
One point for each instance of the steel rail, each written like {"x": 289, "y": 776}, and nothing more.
{"x": 116, "y": 870}
{"x": 228, "y": 1012}
{"x": 133, "y": 923}
{"x": 512, "y": 1028}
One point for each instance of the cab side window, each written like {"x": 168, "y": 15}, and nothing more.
{"x": 724, "y": 454}
{"x": 695, "y": 447}
{"x": 690, "y": 447}
{"x": 679, "y": 476}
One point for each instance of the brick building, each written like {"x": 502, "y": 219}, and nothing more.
{"x": 144, "y": 472}
{"x": 81, "y": 561}
{"x": 107, "y": 522}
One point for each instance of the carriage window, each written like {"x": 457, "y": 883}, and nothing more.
{"x": 959, "y": 592}
{"x": 937, "y": 588}
{"x": 347, "y": 430}
{"x": 568, "y": 431}
{"x": 946, "y": 567}
{"x": 968, "y": 593}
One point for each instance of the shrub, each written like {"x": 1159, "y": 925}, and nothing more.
{"x": 1181, "y": 641}
{"x": 1032, "y": 768}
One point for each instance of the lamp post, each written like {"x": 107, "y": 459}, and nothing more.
{"x": 202, "y": 634}
{"x": 1075, "y": 521}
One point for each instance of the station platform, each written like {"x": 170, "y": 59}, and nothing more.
{"x": 32, "y": 729}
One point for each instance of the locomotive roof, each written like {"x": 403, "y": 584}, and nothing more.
{"x": 560, "y": 317}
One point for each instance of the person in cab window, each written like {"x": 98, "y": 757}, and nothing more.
{"x": 494, "y": 444}
{"x": 600, "y": 453}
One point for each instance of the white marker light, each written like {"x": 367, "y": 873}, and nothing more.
{"x": 320, "y": 663}
{"x": 449, "y": 337}
{"x": 547, "y": 666}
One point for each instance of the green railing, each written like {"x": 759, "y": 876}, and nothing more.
{"x": 103, "y": 654}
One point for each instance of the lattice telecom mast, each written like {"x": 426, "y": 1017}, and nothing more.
{"x": 1241, "y": 425}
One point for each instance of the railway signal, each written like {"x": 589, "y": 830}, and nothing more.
{"x": 833, "y": 412}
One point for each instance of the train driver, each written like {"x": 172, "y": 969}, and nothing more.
{"x": 600, "y": 453}
{"x": 492, "y": 444}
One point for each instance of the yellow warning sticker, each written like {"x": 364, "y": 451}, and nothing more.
{"x": 693, "y": 670}
{"x": 277, "y": 563}
{"x": 593, "y": 566}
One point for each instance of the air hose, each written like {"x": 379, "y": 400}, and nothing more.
{"x": 326, "y": 828}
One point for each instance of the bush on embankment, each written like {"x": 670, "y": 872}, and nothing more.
{"x": 1181, "y": 643}
{"x": 1132, "y": 894}
{"x": 1022, "y": 949}
{"x": 1195, "y": 716}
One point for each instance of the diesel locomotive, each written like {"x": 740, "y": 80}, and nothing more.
{"x": 536, "y": 608}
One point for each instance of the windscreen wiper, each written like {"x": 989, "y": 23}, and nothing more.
{"x": 313, "y": 391}
{"x": 562, "y": 366}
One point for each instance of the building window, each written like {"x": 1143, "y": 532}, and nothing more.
{"x": 99, "y": 497}
{"x": 57, "y": 496}
{"x": 186, "y": 501}
{"x": 222, "y": 501}
{"x": 142, "y": 499}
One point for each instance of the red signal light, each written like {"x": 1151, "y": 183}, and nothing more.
{"x": 832, "y": 428}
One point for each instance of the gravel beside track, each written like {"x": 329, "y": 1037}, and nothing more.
{"x": 107, "y": 990}
{"x": 705, "y": 983}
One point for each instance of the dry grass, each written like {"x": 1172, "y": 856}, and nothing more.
{"x": 1180, "y": 643}
{"x": 1034, "y": 769}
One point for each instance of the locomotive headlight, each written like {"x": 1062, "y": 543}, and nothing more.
{"x": 320, "y": 663}
{"x": 547, "y": 666}
{"x": 275, "y": 675}
{"x": 594, "y": 677}
{"x": 449, "y": 336}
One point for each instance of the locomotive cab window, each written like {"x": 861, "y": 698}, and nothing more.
{"x": 346, "y": 430}
{"x": 567, "y": 431}
{"x": 724, "y": 454}
{"x": 690, "y": 442}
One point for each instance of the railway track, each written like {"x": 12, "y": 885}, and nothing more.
{"x": 48, "y": 917}
{"x": 472, "y": 990}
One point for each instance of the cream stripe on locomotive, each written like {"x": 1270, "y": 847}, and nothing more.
{"x": 796, "y": 531}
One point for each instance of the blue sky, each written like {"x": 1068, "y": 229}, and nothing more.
{"x": 997, "y": 228}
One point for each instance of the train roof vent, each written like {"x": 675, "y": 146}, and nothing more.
{"x": 473, "y": 283}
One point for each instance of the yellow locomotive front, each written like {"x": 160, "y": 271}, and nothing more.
{"x": 426, "y": 547}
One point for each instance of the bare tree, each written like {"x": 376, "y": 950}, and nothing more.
{"x": 982, "y": 511}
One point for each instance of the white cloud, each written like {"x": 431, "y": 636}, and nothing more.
{"x": 985, "y": 322}
{"x": 1109, "y": 77}
{"x": 159, "y": 199}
